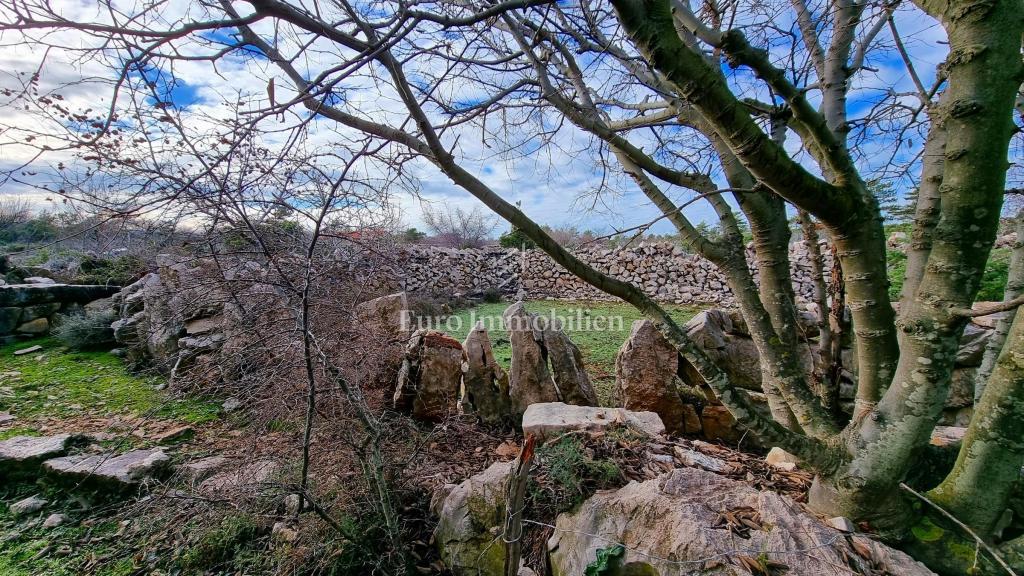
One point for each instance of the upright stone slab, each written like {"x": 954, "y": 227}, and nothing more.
{"x": 529, "y": 381}
{"x": 571, "y": 379}
{"x": 485, "y": 383}
{"x": 431, "y": 373}
{"x": 646, "y": 369}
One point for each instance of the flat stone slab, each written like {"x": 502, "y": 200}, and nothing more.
{"x": 23, "y": 450}
{"x": 245, "y": 478}
{"x": 32, "y": 294}
{"x": 7, "y": 417}
{"x": 550, "y": 419}
{"x": 28, "y": 350}
{"x": 125, "y": 470}
{"x": 202, "y": 468}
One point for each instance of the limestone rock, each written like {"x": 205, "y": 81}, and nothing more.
{"x": 550, "y": 419}
{"x": 470, "y": 519}
{"x": 571, "y": 380}
{"x": 671, "y": 517}
{"x": 646, "y": 369}
{"x": 9, "y": 319}
{"x": 26, "y": 506}
{"x": 947, "y": 435}
{"x": 719, "y": 424}
{"x": 118, "y": 471}
{"x": 843, "y": 524}
{"x": 22, "y": 453}
{"x": 529, "y": 379}
{"x": 202, "y": 468}
{"x": 387, "y": 316}
{"x": 246, "y": 478}
{"x": 961, "y": 388}
{"x": 429, "y": 380}
{"x": 485, "y": 383}
{"x": 54, "y": 520}
{"x": 781, "y": 459}
{"x": 34, "y": 327}
{"x": 972, "y": 345}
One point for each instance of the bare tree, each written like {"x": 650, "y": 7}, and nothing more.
{"x": 459, "y": 228}
{"x": 685, "y": 101}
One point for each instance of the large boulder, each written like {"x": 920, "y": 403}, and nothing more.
{"x": 470, "y": 521}
{"x": 646, "y": 369}
{"x": 431, "y": 373}
{"x": 485, "y": 383}
{"x": 691, "y": 521}
{"x": 547, "y": 420}
{"x": 530, "y": 380}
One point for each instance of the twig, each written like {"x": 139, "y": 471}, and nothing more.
{"x": 993, "y": 309}
{"x": 999, "y": 560}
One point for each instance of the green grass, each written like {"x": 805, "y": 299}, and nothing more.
{"x": 58, "y": 383}
{"x": 599, "y": 346}
{"x": 993, "y": 281}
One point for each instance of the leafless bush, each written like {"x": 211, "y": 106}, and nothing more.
{"x": 459, "y": 228}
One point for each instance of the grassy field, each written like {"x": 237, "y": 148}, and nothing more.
{"x": 598, "y": 328}
{"x": 58, "y": 383}
{"x": 55, "y": 383}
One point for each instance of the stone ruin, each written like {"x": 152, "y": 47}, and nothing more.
{"x": 651, "y": 375}
{"x": 29, "y": 310}
{"x": 546, "y": 367}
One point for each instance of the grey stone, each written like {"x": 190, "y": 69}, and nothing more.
{"x": 672, "y": 517}
{"x": 646, "y": 370}
{"x": 550, "y": 419}
{"x": 842, "y": 523}
{"x": 37, "y": 326}
{"x": 485, "y": 383}
{"x": 470, "y": 518}
{"x": 26, "y": 506}
{"x": 430, "y": 376}
{"x": 6, "y": 418}
{"x": 122, "y": 470}
{"x": 32, "y": 294}
{"x": 198, "y": 470}
{"x": 246, "y": 478}
{"x": 695, "y": 459}
{"x": 28, "y": 350}
{"x": 9, "y": 319}
{"x": 231, "y": 404}
{"x": 26, "y": 451}
{"x": 972, "y": 345}
{"x": 530, "y": 380}
{"x": 54, "y": 520}
{"x": 386, "y": 317}
{"x": 39, "y": 311}
{"x": 39, "y": 280}
{"x": 571, "y": 380}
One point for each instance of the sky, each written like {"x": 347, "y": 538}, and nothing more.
{"x": 553, "y": 185}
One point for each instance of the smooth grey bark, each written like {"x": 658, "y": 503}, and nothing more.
{"x": 1014, "y": 288}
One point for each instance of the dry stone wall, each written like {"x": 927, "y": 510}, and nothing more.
{"x": 665, "y": 271}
